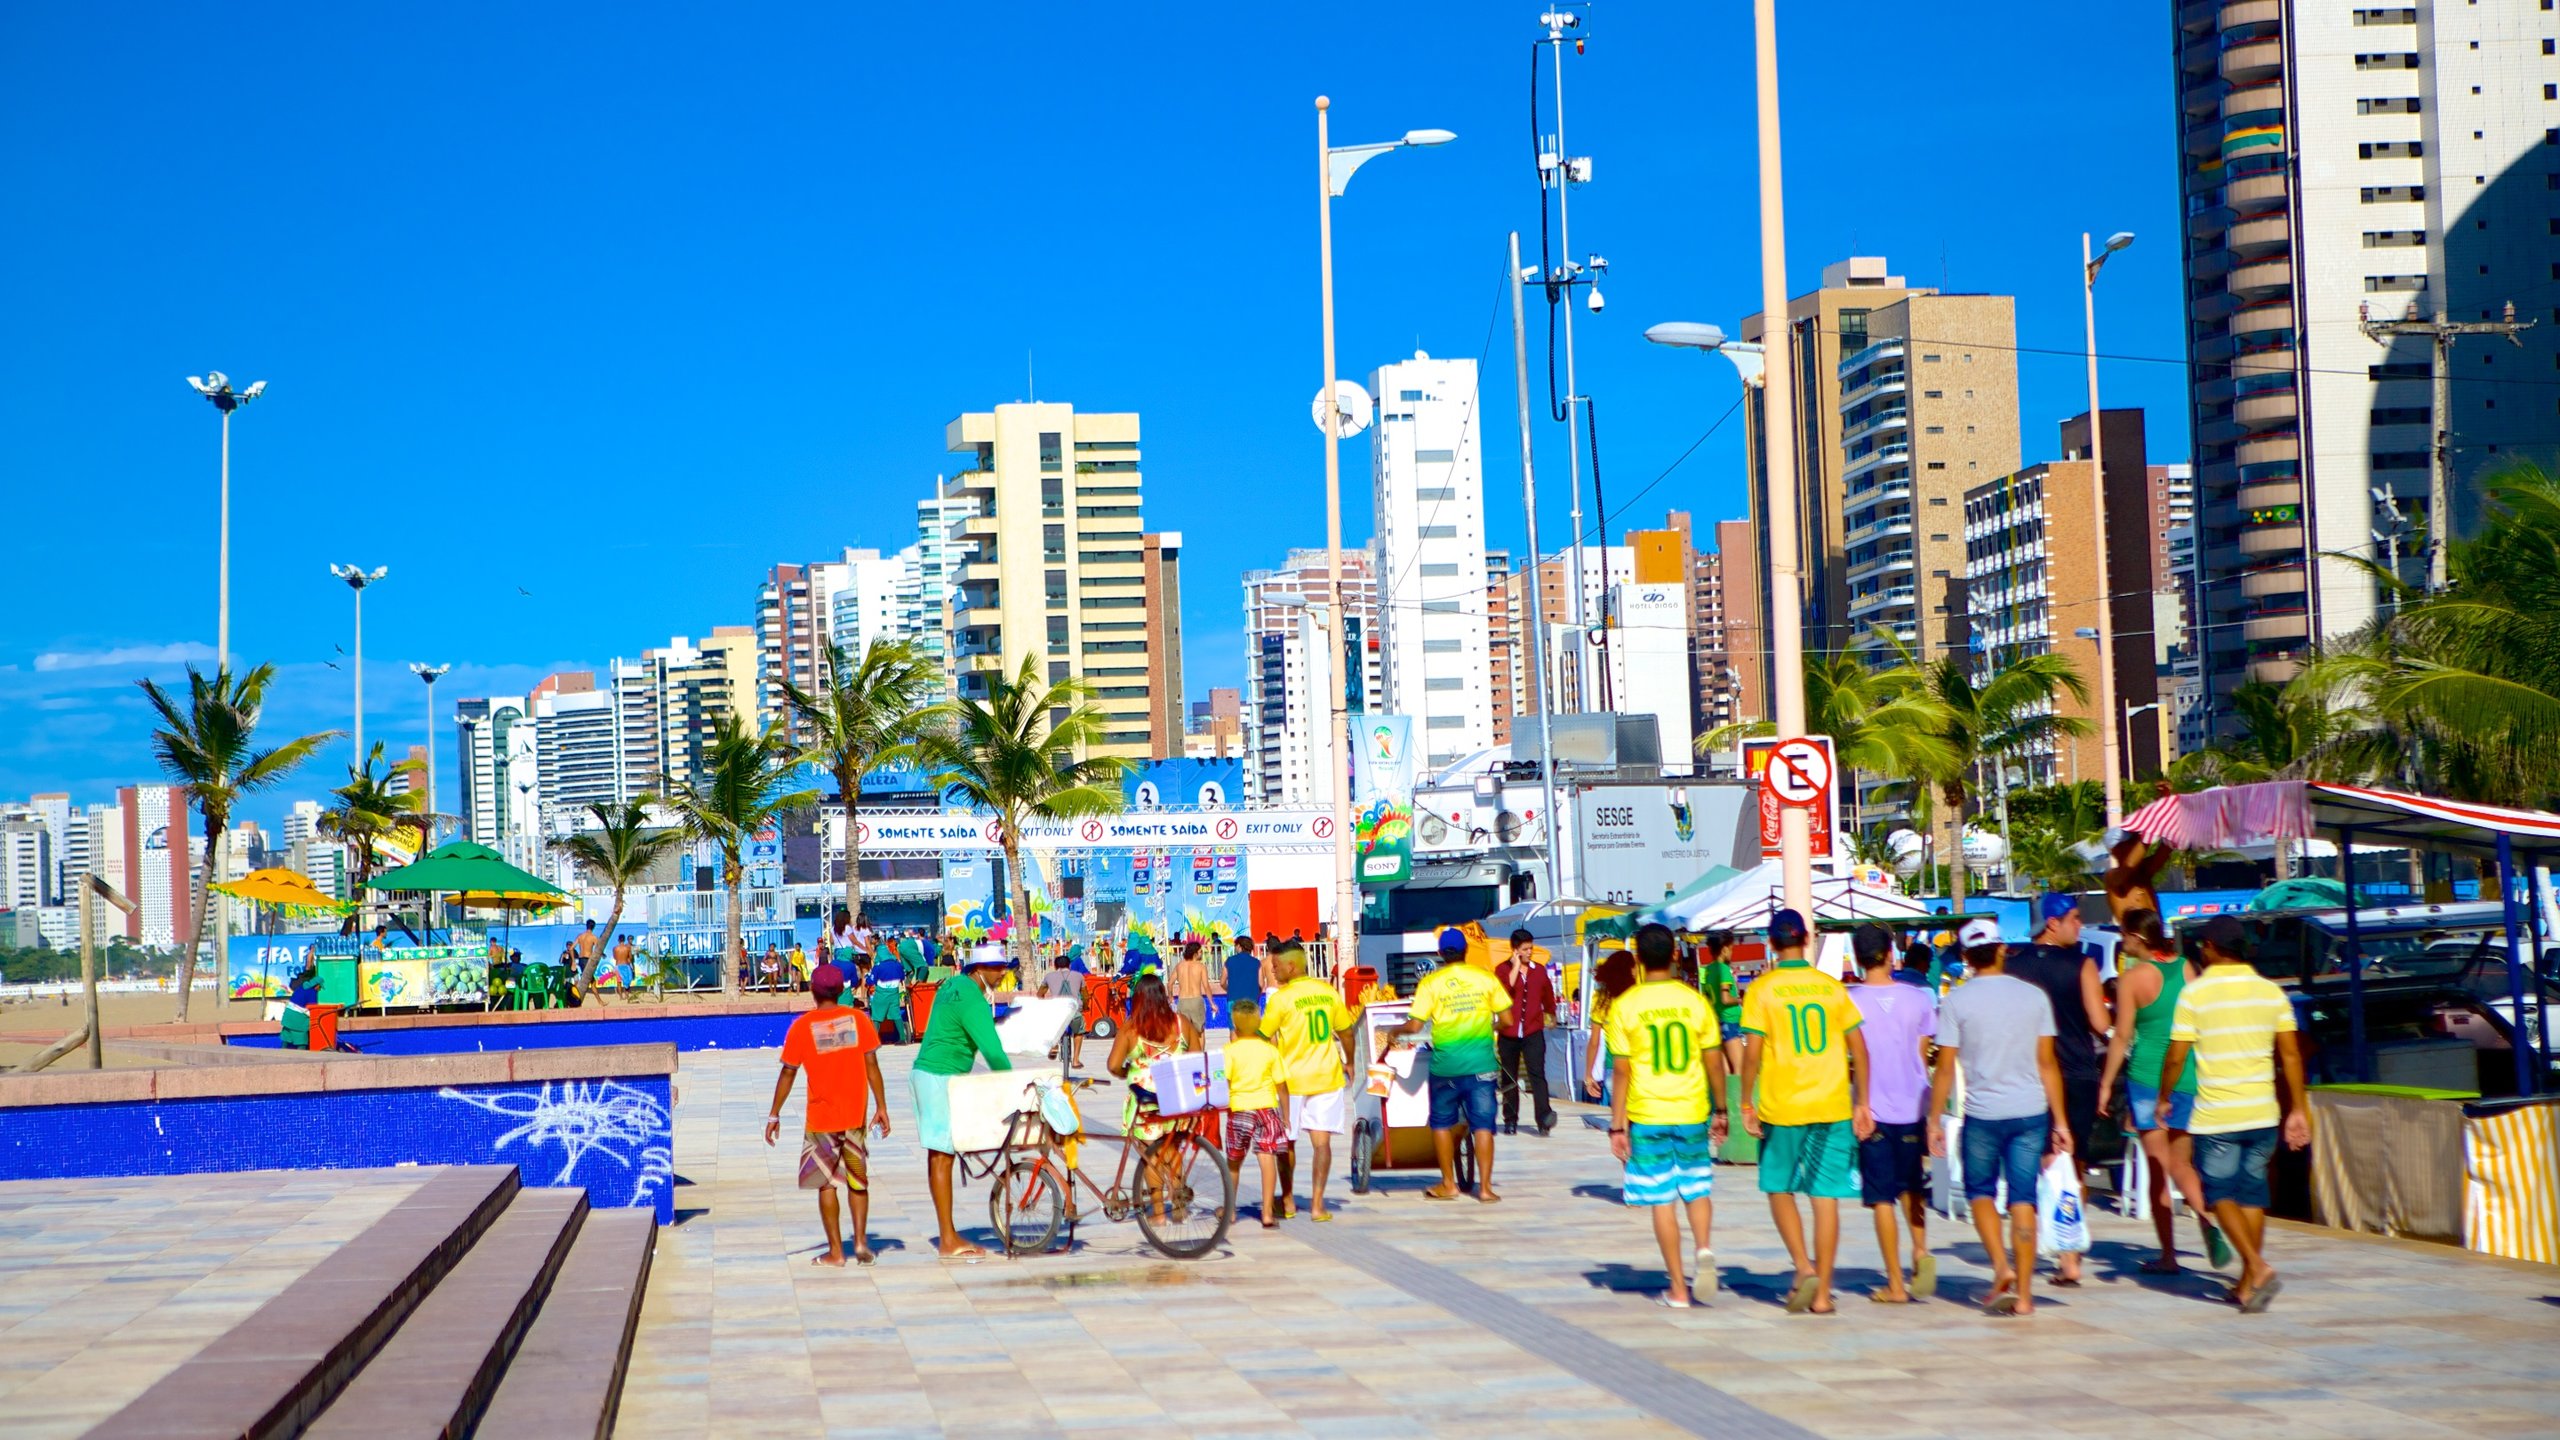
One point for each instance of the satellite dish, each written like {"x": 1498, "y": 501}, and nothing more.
{"x": 1350, "y": 410}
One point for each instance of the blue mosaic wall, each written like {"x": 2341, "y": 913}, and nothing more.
{"x": 615, "y": 1137}
{"x": 687, "y": 1032}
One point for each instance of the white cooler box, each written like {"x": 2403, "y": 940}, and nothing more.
{"x": 983, "y": 1106}
{"x": 1188, "y": 1083}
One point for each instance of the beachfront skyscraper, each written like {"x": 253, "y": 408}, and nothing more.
{"x": 1427, "y": 488}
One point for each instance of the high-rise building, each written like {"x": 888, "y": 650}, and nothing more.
{"x": 1056, "y": 568}
{"x": 1743, "y": 637}
{"x": 1164, "y": 642}
{"x": 2031, "y": 588}
{"x": 301, "y": 822}
{"x": 924, "y": 587}
{"x": 29, "y": 869}
{"x": 496, "y": 739}
{"x": 159, "y": 860}
{"x": 694, "y": 688}
{"x": 2335, "y": 158}
{"x": 1290, "y": 665}
{"x": 1427, "y": 488}
{"x": 579, "y": 757}
{"x": 1571, "y": 657}
{"x": 791, "y": 632}
{"x": 863, "y": 592}
{"x": 1506, "y": 642}
{"x": 1216, "y": 730}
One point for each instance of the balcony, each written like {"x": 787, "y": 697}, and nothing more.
{"x": 2269, "y": 492}
{"x": 1858, "y": 501}
{"x": 2279, "y": 360}
{"x": 2261, "y": 279}
{"x": 2275, "y": 669}
{"x": 2260, "y": 449}
{"x": 2274, "y": 580}
{"x": 1890, "y": 345}
{"x": 2257, "y": 194}
{"x": 2252, "y": 99}
{"x": 1896, "y": 418}
{"x": 2271, "y": 540}
{"x": 975, "y": 617}
{"x": 1889, "y": 563}
{"x": 1899, "y": 452}
{"x": 2251, "y": 15}
{"x": 2264, "y": 409}
{"x": 2260, "y": 235}
{"x": 2263, "y": 316}
{"x": 1876, "y": 530}
{"x": 1877, "y": 601}
{"x": 1877, "y": 382}
{"x": 2253, "y": 59}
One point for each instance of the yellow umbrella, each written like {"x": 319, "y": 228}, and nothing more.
{"x": 510, "y": 899}
{"x": 285, "y": 889}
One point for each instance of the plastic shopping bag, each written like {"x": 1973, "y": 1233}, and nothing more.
{"x": 2061, "y": 1225}
{"x": 1058, "y": 1107}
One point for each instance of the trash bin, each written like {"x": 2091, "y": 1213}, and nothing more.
{"x": 324, "y": 1027}
{"x": 920, "y": 1006}
{"x": 1355, "y": 981}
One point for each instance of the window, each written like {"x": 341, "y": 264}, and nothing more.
{"x": 2400, "y": 460}
{"x": 1444, "y": 682}
{"x": 1104, "y": 512}
{"x": 1435, "y": 457}
{"x": 1853, "y": 331}
{"x": 2392, "y": 239}
{"x": 1438, "y": 532}
{"x": 2393, "y": 194}
{"x": 1439, "y": 607}
{"x": 2391, "y": 149}
{"x": 2399, "y": 370}
{"x": 1058, "y": 670}
{"x": 1933, "y": 394}
{"x": 1928, "y": 359}
{"x": 2384, "y": 284}
{"x": 1936, "y": 430}
{"x": 1051, "y": 452}
{"x": 1437, "y": 492}
{"x": 1057, "y": 587}
{"x": 1436, "y": 571}
{"x": 2397, "y": 15}
{"x": 2389, "y": 105}
{"x": 1053, "y": 544}
{"x": 2401, "y": 414}
{"x": 2396, "y": 61}
{"x": 1112, "y": 557}
{"x": 1408, "y": 395}
{"x": 1446, "y": 722}
{"x": 1441, "y": 647}
{"x": 1057, "y": 629}
{"x": 1937, "y": 464}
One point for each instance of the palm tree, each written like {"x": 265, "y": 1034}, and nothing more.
{"x": 1013, "y": 754}
{"x": 1882, "y": 721}
{"x": 2012, "y": 710}
{"x": 370, "y": 812}
{"x": 619, "y": 851}
{"x": 209, "y": 745}
{"x": 736, "y": 791}
{"x": 874, "y": 707}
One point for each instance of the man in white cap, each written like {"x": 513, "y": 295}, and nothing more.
{"x": 961, "y": 1028}
{"x": 2001, "y": 1028}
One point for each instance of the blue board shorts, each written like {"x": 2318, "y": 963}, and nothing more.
{"x": 2234, "y": 1166}
{"x": 933, "y": 1110}
{"x": 2146, "y": 1107}
{"x": 1462, "y": 1096}
{"x": 1817, "y": 1160}
{"x": 1669, "y": 1164}
{"x": 2010, "y": 1150}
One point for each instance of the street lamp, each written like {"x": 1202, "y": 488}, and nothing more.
{"x": 1334, "y": 168}
{"x": 216, "y": 387}
{"x": 431, "y": 674}
{"x": 2108, "y": 750}
{"x": 357, "y": 577}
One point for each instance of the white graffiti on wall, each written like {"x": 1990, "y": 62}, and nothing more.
{"x": 584, "y": 1117}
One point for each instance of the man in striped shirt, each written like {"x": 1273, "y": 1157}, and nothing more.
{"x": 2240, "y": 1029}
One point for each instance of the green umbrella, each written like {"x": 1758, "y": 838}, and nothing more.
{"x": 473, "y": 869}
{"x": 1620, "y": 927}
{"x": 2306, "y": 892}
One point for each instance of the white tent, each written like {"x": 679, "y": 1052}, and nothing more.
{"x": 1746, "y": 901}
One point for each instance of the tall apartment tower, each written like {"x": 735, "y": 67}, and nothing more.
{"x": 1572, "y": 660}
{"x": 2335, "y": 157}
{"x": 1165, "y": 721}
{"x": 1290, "y": 667}
{"x": 1427, "y": 487}
{"x": 924, "y": 587}
{"x": 159, "y": 863}
{"x": 1057, "y": 565}
{"x": 1506, "y": 642}
{"x": 495, "y": 739}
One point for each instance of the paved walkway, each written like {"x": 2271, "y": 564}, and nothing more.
{"x": 1532, "y": 1317}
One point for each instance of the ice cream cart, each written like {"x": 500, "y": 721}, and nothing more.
{"x": 1391, "y": 1102}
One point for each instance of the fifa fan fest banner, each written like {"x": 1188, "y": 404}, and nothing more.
{"x": 1382, "y": 796}
{"x": 890, "y": 832}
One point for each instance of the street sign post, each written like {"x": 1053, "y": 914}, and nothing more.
{"x": 1800, "y": 773}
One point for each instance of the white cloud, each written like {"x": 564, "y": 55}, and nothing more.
{"x": 183, "y": 652}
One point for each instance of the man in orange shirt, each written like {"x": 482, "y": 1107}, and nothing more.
{"x": 841, "y": 1052}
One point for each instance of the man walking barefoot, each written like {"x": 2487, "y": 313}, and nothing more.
{"x": 1804, "y": 1092}
{"x": 1668, "y": 1074}
{"x": 841, "y": 1052}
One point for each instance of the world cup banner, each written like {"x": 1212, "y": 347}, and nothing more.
{"x": 1382, "y": 796}
{"x": 931, "y": 832}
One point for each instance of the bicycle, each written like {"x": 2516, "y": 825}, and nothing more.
{"x": 1183, "y": 1194}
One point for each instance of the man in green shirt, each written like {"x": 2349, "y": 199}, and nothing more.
{"x": 961, "y": 1029}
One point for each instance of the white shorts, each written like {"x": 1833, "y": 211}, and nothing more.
{"x": 1329, "y": 1113}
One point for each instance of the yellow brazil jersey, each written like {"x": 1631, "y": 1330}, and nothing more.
{"x": 1301, "y": 1019}
{"x": 1665, "y": 1031}
{"x": 1253, "y": 1074}
{"x": 1803, "y": 1018}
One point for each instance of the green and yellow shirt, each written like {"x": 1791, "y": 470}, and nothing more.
{"x": 1460, "y": 1001}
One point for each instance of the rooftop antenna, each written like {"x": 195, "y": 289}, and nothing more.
{"x": 1030, "y": 375}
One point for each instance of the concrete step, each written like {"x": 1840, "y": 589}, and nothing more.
{"x": 272, "y": 1373}
{"x": 436, "y": 1374}
{"x": 566, "y": 1378}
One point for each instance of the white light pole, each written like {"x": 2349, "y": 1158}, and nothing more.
{"x": 431, "y": 674}
{"x": 1334, "y": 169}
{"x": 357, "y": 578}
{"x": 2089, "y": 267}
{"x": 2131, "y": 710}
{"x": 216, "y": 387}
{"x": 1536, "y": 576}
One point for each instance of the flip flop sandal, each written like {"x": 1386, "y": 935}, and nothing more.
{"x": 2003, "y": 1305}
{"x": 1322, "y": 1217}
{"x": 1667, "y": 1303}
{"x": 2065, "y": 1282}
{"x": 1436, "y": 1195}
{"x": 1708, "y": 1280}
{"x": 2262, "y": 1297}
{"x": 1924, "y": 1277}
{"x": 1882, "y": 1298}
{"x": 1800, "y": 1299}
{"x": 2156, "y": 1266}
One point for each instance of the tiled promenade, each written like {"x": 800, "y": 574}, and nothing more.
{"x": 1532, "y": 1317}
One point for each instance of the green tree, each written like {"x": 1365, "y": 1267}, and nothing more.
{"x": 2009, "y": 712}
{"x": 368, "y": 813}
{"x": 208, "y": 743}
{"x": 738, "y": 789}
{"x": 619, "y": 852}
{"x": 1884, "y": 722}
{"x": 1014, "y": 754}
{"x": 872, "y": 712}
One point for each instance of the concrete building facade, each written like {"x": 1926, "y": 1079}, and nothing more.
{"x": 1290, "y": 665}
{"x": 1427, "y": 492}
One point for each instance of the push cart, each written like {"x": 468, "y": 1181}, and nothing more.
{"x": 1391, "y": 1104}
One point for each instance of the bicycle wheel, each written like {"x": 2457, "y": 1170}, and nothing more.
{"x": 1185, "y": 1195}
{"x": 1364, "y": 1145}
{"x": 1026, "y": 1206}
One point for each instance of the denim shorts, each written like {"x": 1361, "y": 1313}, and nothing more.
{"x": 2011, "y": 1150}
{"x": 2234, "y": 1166}
{"x": 1462, "y": 1096}
{"x": 2146, "y": 1107}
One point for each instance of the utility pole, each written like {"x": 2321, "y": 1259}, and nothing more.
{"x": 2440, "y": 332}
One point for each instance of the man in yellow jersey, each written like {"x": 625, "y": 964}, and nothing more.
{"x": 1669, "y": 1067}
{"x": 1804, "y": 1092}
{"x": 1460, "y": 1003}
{"x": 1305, "y": 1019}
{"x": 2241, "y": 1030}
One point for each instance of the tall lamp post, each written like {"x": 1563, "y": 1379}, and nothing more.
{"x": 431, "y": 674}
{"x": 2108, "y": 749}
{"x": 216, "y": 387}
{"x": 1334, "y": 167}
{"x": 357, "y": 577}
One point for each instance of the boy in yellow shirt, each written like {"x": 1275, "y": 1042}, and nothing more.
{"x": 1804, "y": 1092}
{"x": 1257, "y": 1084}
{"x": 1306, "y": 1019}
{"x": 1669, "y": 1069}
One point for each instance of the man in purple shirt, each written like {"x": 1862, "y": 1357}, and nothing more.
{"x": 1899, "y": 1021}
{"x": 1520, "y": 1037}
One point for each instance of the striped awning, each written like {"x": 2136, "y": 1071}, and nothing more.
{"x": 2233, "y": 815}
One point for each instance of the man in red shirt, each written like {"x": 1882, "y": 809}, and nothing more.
{"x": 1520, "y": 1036}
{"x": 841, "y": 1052}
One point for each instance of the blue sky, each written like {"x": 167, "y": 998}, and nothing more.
{"x": 620, "y": 305}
